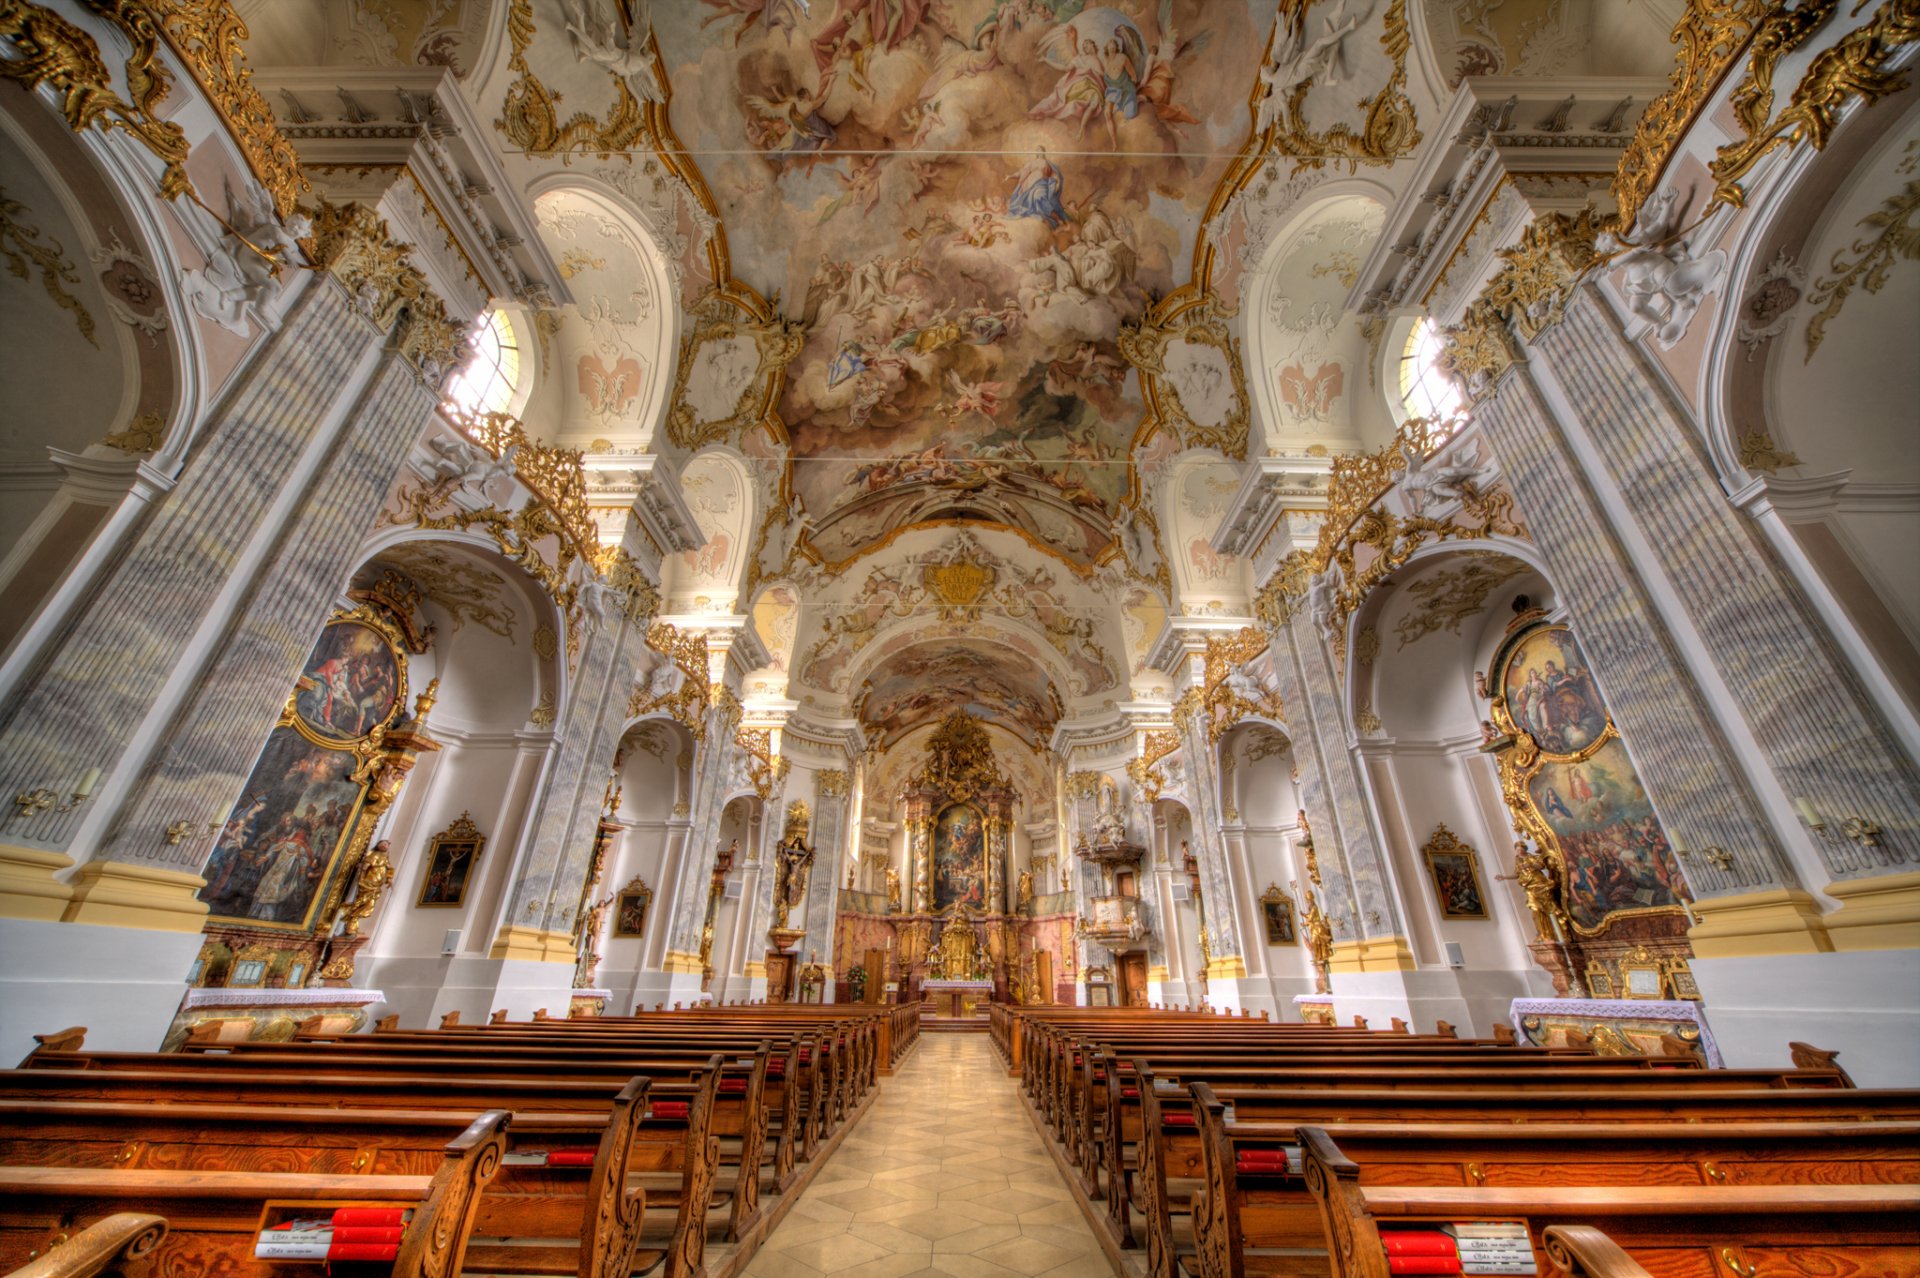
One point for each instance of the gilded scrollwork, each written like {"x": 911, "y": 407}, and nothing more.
{"x": 530, "y": 115}
{"x": 1855, "y": 66}
{"x": 1191, "y": 372}
{"x": 731, "y": 368}
{"x": 23, "y": 247}
{"x": 1894, "y": 236}
{"x": 353, "y": 244}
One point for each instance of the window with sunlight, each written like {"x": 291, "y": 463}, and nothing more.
{"x": 1425, "y": 391}
{"x": 487, "y": 383}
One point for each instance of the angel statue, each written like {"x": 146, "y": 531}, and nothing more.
{"x": 596, "y": 38}
{"x": 893, "y": 889}
{"x": 1023, "y": 900}
{"x": 1537, "y": 875}
{"x": 369, "y": 885}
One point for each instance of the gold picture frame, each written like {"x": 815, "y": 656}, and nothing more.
{"x": 1680, "y": 982}
{"x": 630, "y": 908}
{"x": 1276, "y": 911}
{"x": 448, "y": 865}
{"x": 1599, "y": 980}
{"x": 1642, "y": 975}
{"x": 1454, "y": 868}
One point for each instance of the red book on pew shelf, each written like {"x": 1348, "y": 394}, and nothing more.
{"x": 1417, "y": 1242}
{"x": 379, "y": 1217}
{"x": 367, "y": 1234}
{"x": 571, "y": 1158}
{"x": 1404, "y": 1264}
{"x": 669, "y": 1109}
{"x": 363, "y": 1251}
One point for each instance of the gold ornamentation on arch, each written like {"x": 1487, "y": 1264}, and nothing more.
{"x": 21, "y": 246}
{"x": 1197, "y": 319}
{"x": 723, "y": 317}
{"x": 53, "y": 51}
{"x": 530, "y": 115}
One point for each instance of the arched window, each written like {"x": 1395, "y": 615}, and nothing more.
{"x": 1425, "y": 391}
{"x": 487, "y": 383}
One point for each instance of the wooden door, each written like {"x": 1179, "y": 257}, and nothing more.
{"x": 1043, "y": 974}
{"x": 1133, "y": 980}
{"x": 876, "y": 965}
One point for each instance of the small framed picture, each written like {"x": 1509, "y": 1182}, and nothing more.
{"x": 450, "y": 858}
{"x": 1276, "y": 908}
{"x": 630, "y": 909}
{"x": 1642, "y": 980}
{"x": 1456, "y": 876}
{"x": 1599, "y": 981}
{"x": 1680, "y": 979}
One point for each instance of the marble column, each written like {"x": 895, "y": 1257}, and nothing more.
{"x": 559, "y": 845}
{"x": 108, "y": 668}
{"x": 1216, "y": 888}
{"x": 1328, "y": 790}
{"x": 201, "y": 761}
{"x": 1820, "y": 733}
{"x": 1683, "y": 758}
{"x": 711, "y": 767}
{"x": 830, "y": 853}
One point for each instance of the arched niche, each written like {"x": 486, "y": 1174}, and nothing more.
{"x": 1414, "y": 650}
{"x": 1306, "y": 352}
{"x": 610, "y": 352}
{"x": 90, "y": 353}
{"x": 719, "y": 492}
{"x": 1207, "y": 582}
{"x": 495, "y": 646}
{"x": 653, "y": 770}
{"x": 1812, "y": 384}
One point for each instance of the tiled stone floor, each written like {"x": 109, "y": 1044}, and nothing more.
{"x": 944, "y": 1177}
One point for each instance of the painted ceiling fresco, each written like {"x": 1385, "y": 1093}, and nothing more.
{"x": 965, "y": 202}
{"x": 931, "y": 680}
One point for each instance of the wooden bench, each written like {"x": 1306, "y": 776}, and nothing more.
{"x": 214, "y": 1217}
{"x": 1744, "y": 1231}
{"x": 1253, "y": 1192}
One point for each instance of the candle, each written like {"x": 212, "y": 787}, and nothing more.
{"x": 1807, "y": 814}
{"x": 87, "y": 782}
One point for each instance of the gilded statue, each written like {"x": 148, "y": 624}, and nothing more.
{"x": 793, "y": 861}
{"x": 1319, "y": 943}
{"x": 375, "y": 876}
{"x": 587, "y": 964}
{"x": 1109, "y": 825}
{"x": 893, "y": 890}
{"x": 1023, "y": 899}
{"x": 1537, "y": 875}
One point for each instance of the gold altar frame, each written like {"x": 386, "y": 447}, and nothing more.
{"x": 1523, "y": 760}
{"x": 364, "y": 749}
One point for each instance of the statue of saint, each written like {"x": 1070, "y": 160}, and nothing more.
{"x": 369, "y": 885}
{"x": 893, "y": 889}
{"x": 1023, "y": 899}
{"x": 1109, "y": 825}
{"x": 1538, "y": 877}
{"x": 1319, "y": 943}
{"x": 793, "y": 861}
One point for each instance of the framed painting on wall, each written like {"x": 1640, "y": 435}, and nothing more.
{"x": 1456, "y": 876}
{"x": 450, "y": 858}
{"x": 630, "y": 909}
{"x": 1276, "y": 909}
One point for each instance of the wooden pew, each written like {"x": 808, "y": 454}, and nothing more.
{"x": 113, "y": 1242}
{"x": 677, "y": 1151}
{"x": 1248, "y": 1198}
{"x": 214, "y": 1216}
{"x": 1745, "y": 1230}
{"x": 588, "y": 1201}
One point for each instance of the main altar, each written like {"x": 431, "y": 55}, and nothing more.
{"x": 970, "y": 916}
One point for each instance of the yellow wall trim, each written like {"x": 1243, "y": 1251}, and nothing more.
{"x": 1231, "y": 968}
{"x": 28, "y": 889}
{"x": 1880, "y": 913}
{"x": 125, "y": 894}
{"x": 1375, "y": 954}
{"x": 681, "y": 963}
{"x": 1776, "y": 921}
{"x": 533, "y": 945}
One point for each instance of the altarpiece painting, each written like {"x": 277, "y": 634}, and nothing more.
{"x": 959, "y": 858}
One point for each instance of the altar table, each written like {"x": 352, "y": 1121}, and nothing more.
{"x": 956, "y": 998}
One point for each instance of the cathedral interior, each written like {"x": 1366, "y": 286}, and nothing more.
{"x": 1380, "y": 509}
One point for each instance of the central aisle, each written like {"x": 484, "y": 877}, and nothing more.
{"x": 944, "y": 1176}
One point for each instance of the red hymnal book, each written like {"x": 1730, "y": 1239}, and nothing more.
{"x": 1404, "y": 1264}
{"x": 378, "y": 1217}
{"x": 571, "y": 1158}
{"x": 363, "y": 1251}
{"x": 1418, "y": 1242}
{"x": 366, "y": 1234}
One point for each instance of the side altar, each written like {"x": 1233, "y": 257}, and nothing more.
{"x": 957, "y": 998}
